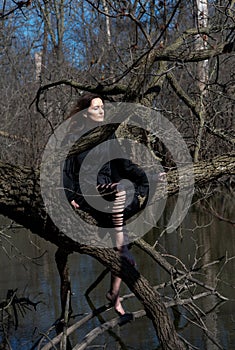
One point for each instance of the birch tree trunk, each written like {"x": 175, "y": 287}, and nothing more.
{"x": 108, "y": 31}
{"x": 202, "y": 71}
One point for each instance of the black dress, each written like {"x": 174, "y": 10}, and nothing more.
{"x": 100, "y": 183}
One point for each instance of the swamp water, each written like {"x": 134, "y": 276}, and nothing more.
{"x": 27, "y": 264}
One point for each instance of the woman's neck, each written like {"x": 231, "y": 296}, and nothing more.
{"x": 91, "y": 124}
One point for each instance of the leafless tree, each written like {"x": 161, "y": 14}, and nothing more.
{"x": 174, "y": 56}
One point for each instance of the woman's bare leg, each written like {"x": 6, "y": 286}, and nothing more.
{"x": 121, "y": 243}
{"x": 113, "y": 294}
{"x": 121, "y": 239}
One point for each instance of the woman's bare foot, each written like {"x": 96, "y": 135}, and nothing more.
{"x": 115, "y": 301}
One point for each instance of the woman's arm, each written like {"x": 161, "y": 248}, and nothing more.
{"x": 70, "y": 182}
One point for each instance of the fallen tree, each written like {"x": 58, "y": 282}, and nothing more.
{"x": 21, "y": 201}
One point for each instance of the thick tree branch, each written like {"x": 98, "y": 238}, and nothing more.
{"x": 101, "y": 89}
{"x": 145, "y": 62}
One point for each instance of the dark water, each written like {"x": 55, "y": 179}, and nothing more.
{"x": 27, "y": 264}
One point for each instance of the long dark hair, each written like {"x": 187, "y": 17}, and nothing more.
{"x": 84, "y": 102}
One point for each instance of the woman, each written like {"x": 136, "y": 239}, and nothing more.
{"x": 107, "y": 186}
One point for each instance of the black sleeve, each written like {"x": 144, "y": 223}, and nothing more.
{"x": 70, "y": 181}
{"x": 71, "y": 171}
{"x": 104, "y": 175}
{"x": 131, "y": 171}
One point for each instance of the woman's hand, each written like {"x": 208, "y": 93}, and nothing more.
{"x": 74, "y": 204}
{"x": 162, "y": 177}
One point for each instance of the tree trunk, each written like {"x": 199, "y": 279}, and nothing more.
{"x": 61, "y": 258}
{"x": 202, "y": 72}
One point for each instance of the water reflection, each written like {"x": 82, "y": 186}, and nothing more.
{"x": 38, "y": 279}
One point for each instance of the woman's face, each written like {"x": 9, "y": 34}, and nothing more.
{"x": 96, "y": 110}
